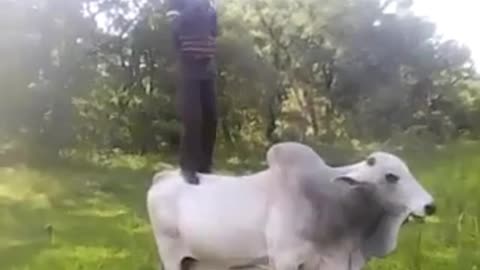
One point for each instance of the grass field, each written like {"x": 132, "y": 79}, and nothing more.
{"x": 66, "y": 216}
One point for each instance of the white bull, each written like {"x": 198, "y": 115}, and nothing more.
{"x": 290, "y": 215}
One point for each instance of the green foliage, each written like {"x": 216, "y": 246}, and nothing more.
{"x": 101, "y": 74}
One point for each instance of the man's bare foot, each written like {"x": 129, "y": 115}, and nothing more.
{"x": 191, "y": 177}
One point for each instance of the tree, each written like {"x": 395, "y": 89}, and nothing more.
{"x": 102, "y": 73}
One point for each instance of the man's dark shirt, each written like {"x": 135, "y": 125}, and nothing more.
{"x": 194, "y": 33}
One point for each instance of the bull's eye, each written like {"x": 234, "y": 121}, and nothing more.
{"x": 392, "y": 178}
{"x": 371, "y": 161}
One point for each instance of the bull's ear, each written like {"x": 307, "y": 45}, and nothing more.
{"x": 346, "y": 179}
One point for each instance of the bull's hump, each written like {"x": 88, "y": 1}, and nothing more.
{"x": 292, "y": 152}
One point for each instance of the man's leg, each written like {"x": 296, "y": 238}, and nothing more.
{"x": 209, "y": 129}
{"x": 191, "y": 148}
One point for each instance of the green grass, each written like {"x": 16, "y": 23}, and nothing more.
{"x": 66, "y": 216}
{"x": 59, "y": 218}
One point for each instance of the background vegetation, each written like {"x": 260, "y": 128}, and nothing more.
{"x": 87, "y": 113}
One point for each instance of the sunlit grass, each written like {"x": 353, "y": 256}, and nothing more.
{"x": 93, "y": 216}
{"x": 64, "y": 218}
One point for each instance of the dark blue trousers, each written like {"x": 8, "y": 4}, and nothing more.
{"x": 198, "y": 110}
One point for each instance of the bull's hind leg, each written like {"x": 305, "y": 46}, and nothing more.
{"x": 172, "y": 261}
{"x": 171, "y": 252}
{"x": 285, "y": 264}
{"x": 187, "y": 263}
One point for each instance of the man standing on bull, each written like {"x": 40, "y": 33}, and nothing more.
{"x": 194, "y": 27}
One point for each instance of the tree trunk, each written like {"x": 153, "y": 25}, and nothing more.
{"x": 310, "y": 104}
{"x": 328, "y": 78}
{"x": 226, "y": 131}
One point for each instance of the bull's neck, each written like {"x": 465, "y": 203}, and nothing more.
{"x": 379, "y": 243}
{"x": 382, "y": 240}
{"x": 378, "y": 228}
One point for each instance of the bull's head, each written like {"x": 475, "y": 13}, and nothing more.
{"x": 396, "y": 185}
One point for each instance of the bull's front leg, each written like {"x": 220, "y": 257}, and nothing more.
{"x": 286, "y": 249}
